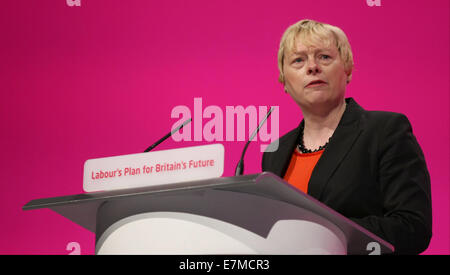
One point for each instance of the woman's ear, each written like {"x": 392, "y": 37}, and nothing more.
{"x": 349, "y": 75}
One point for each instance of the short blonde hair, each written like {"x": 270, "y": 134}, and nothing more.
{"x": 312, "y": 32}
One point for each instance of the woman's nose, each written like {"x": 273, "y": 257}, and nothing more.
{"x": 313, "y": 68}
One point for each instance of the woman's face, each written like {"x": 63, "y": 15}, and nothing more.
{"x": 315, "y": 75}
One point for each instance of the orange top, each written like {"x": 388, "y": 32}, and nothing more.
{"x": 300, "y": 169}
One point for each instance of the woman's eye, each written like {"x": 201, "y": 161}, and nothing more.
{"x": 298, "y": 60}
{"x": 324, "y": 56}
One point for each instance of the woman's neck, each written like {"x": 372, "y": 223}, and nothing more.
{"x": 320, "y": 126}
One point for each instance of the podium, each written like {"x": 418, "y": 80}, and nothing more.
{"x": 251, "y": 214}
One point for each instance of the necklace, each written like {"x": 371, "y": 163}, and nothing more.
{"x": 301, "y": 146}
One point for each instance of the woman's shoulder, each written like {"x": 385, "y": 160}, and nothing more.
{"x": 370, "y": 118}
{"x": 384, "y": 118}
{"x": 385, "y": 123}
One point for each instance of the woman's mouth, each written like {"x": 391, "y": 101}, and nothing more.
{"x": 316, "y": 83}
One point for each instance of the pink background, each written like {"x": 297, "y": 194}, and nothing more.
{"x": 101, "y": 80}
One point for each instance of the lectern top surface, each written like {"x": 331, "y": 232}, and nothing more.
{"x": 82, "y": 208}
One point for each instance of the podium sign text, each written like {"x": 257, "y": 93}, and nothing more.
{"x": 154, "y": 168}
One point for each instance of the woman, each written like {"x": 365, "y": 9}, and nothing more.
{"x": 367, "y": 165}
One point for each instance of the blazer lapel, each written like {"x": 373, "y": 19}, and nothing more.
{"x": 343, "y": 138}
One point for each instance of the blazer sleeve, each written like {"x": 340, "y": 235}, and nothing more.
{"x": 405, "y": 187}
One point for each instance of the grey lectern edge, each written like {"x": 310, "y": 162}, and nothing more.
{"x": 82, "y": 208}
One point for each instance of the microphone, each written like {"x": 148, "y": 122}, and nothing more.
{"x": 240, "y": 166}
{"x": 167, "y": 136}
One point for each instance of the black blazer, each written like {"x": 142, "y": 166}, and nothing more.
{"x": 373, "y": 172}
